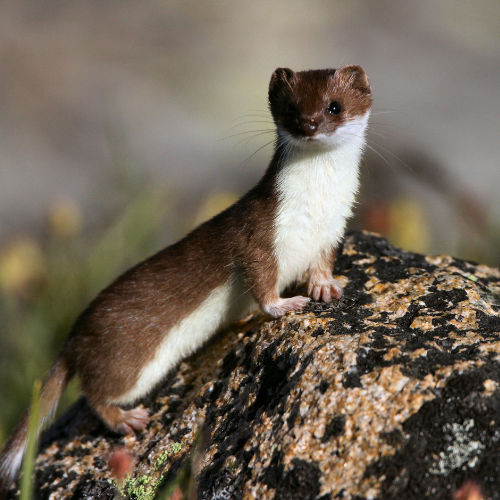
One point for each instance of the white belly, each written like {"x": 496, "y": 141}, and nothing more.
{"x": 225, "y": 304}
{"x": 316, "y": 194}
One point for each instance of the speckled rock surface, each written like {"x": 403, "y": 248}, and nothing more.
{"x": 394, "y": 392}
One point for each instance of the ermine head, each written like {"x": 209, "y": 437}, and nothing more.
{"x": 325, "y": 108}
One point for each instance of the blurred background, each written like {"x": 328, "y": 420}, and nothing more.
{"x": 125, "y": 123}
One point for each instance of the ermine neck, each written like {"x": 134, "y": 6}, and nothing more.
{"x": 288, "y": 153}
{"x": 345, "y": 157}
{"x": 316, "y": 191}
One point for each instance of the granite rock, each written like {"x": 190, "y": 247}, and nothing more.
{"x": 392, "y": 392}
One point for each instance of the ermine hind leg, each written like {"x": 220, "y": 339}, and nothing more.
{"x": 123, "y": 421}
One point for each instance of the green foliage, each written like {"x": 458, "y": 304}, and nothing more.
{"x": 141, "y": 488}
{"x": 145, "y": 487}
{"x": 176, "y": 447}
{"x": 31, "y": 446}
{"x": 182, "y": 479}
{"x": 161, "y": 460}
{"x": 163, "y": 457}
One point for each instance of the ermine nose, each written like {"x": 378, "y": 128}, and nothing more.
{"x": 309, "y": 127}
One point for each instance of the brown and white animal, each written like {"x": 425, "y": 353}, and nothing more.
{"x": 163, "y": 309}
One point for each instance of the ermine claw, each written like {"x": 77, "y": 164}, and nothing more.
{"x": 325, "y": 290}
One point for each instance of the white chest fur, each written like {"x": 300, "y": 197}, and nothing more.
{"x": 316, "y": 193}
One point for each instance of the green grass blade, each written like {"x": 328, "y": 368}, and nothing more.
{"x": 31, "y": 446}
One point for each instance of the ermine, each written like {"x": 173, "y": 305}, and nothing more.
{"x": 288, "y": 226}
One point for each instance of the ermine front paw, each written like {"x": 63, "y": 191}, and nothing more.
{"x": 326, "y": 290}
{"x": 282, "y": 306}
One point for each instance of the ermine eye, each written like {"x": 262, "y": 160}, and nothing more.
{"x": 290, "y": 108}
{"x": 335, "y": 108}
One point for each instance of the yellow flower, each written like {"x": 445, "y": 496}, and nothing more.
{"x": 22, "y": 266}
{"x": 65, "y": 219}
{"x": 407, "y": 225}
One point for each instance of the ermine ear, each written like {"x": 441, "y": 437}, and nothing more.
{"x": 355, "y": 76}
{"x": 280, "y": 78}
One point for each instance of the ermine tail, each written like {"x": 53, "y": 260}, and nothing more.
{"x": 12, "y": 454}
